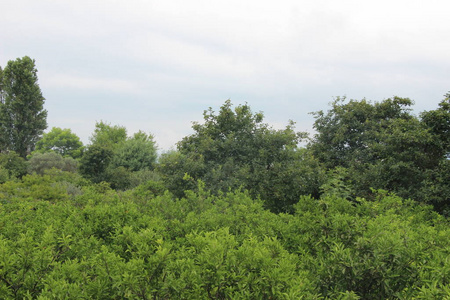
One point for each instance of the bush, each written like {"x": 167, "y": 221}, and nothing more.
{"x": 144, "y": 244}
{"x": 40, "y": 162}
{"x": 11, "y": 166}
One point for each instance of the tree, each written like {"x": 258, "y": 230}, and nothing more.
{"x": 11, "y": 166}
{"x": 436, "y": 186}
{"x": 94, "y": 163}
{"x": 347, "y": 132}
{"x": 132, "y": 162}
{"x": 173, "y": 166}
{"x": 96, "y": 159}
{"x": 136, "y": 153}
{"x": 22, "y": 116}
{"x": 40, "y": 162}
{"x": 1, "y": 85}
{"x": 106, "y": 135}
{"x": 233, "y": 149}
{"x": 382, "y": 145}
{"x": 121, "y": 161}
{"x": 439, "y": 123}
{"x": 61, "y": 141}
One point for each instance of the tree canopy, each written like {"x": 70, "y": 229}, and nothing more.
{"x": 107, "y": 135}
{"x": 61, "y": 141}
{"x": 117, "y": 159}
{"x": 384, "y": 146}
{"x": 135, "y": 153}
{"x": 234, "y": 148}
{"x": 22, "y": 114}
{"x": 349, "y": 131}
{"x": 438, "y": 121}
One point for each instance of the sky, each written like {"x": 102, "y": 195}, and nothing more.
{"x": 156, "y": 66}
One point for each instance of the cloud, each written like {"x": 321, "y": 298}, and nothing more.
{"x": 68, "y": 82}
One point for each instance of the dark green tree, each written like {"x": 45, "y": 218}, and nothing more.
{"x": 436, "y": 186}
{"x": 94, "y": 163}
{"x": 123, "y": 162}
{"x": 2, "y": 101}
{"x": 173, "y": 166}
{"x": 132, "y": 162}
{"x": 381, "y": 144}
{"x": 96, "y": 159}
{"x": 348, "y": 131}
{"x": 234, "y": 148}
{"x": 1, "y": 86}
{"x": 22, "y": 114}
{"x": 136, "y": 153}
{"x": 439, "y": 123}
{"x": 11, "y": 166}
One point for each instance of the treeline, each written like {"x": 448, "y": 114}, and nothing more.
{"x": 238, "y": 210}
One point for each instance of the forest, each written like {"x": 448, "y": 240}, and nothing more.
{"x": 239, "y": 210}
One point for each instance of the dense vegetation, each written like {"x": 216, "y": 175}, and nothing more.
{"x": 238, "y": 211}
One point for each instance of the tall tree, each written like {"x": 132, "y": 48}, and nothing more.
{"x": 2, "y": 101}
{"x": 22, "y": 114}
{"x": 381, "y": 144}
{"x": 436, "y": 188}
{"x": 1, "y": 85}
{"x": 97, "y": 157}
{"x": 348, "y": 131}
{"x": 438, "y": 121}
{"x": 235, "y": 148}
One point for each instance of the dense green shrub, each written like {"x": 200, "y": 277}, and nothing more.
{"x": 11, "y": 166}
{"x": 40, "y": 162}
{"x": 144, "y": 243}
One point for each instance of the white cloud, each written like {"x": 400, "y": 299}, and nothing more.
{"x": 67, "y": 81}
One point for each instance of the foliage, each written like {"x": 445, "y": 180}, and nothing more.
{"x": 40, "y": 162}
{"x": 33, "y": 187}
{"x": 11, "y": 166}
{"x": 108, "y": 136}
{"x": 367, "y": 247}
{"x": 337, "y": 184}
{"x": 382, "y": 145}
{"x": 233, "y": 149}
{"x": 122, "y": 162}
{"x": 347, "y": 132}
{"x": 142, "y": 176}
{"x": 136, "y": 153}
{"x": 439, "y": 123}
{"x": 61, "y": 141}
{"x": 436, "y": 187}
{"x": 94, "y": 163}
{"x": 174, "y": 166}
{"x": 22, "y": 116}
{"x": 145, "y": 244}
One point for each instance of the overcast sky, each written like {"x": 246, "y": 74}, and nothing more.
{"x": 156, "y": 65}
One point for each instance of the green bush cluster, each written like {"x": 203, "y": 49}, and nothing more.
{"x": 147, "y": 244}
